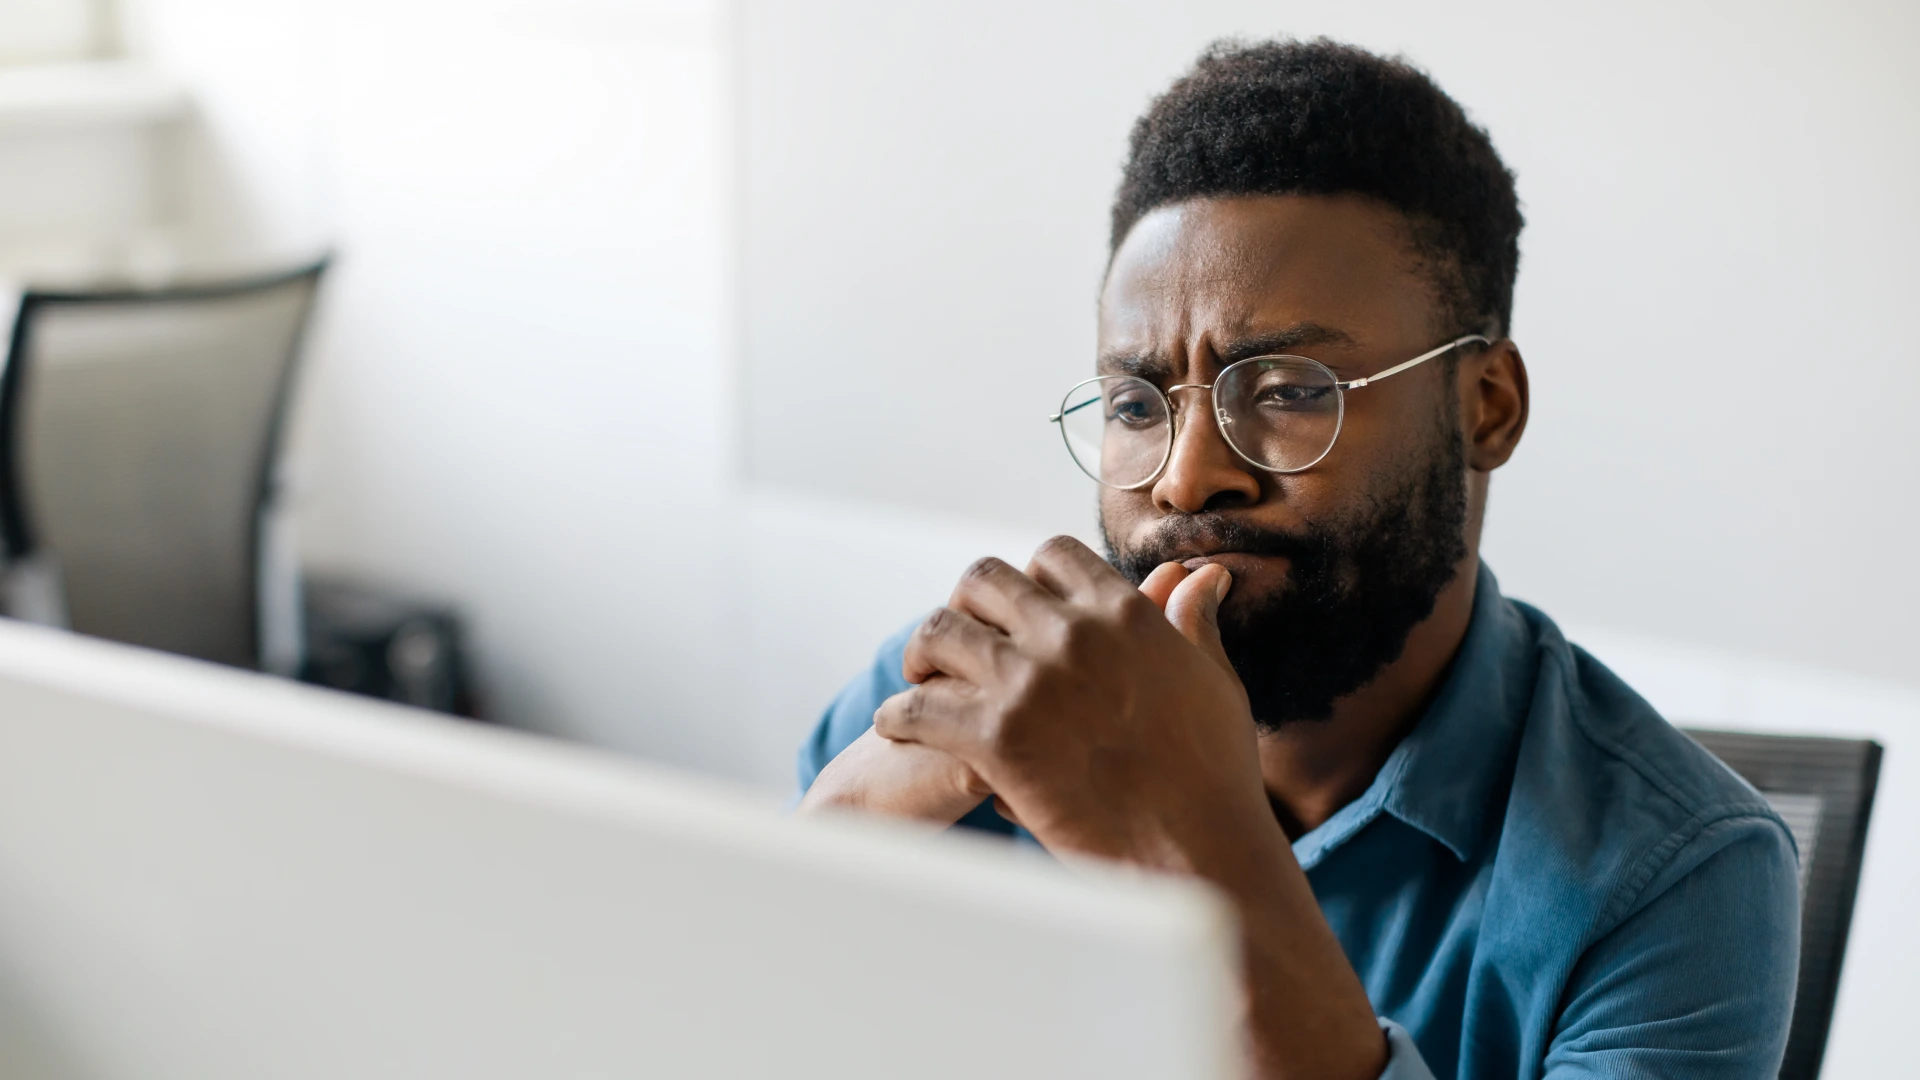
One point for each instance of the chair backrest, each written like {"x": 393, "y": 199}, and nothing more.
{"x": 138, "y": 437}
{"x": 1823, "y": 789}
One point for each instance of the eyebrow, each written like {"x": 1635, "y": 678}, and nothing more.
{"x": 1304, "y": 335}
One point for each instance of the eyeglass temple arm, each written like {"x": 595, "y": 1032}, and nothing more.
{"x": 1057, "y": 417}
{"x": 1421, "y": 359}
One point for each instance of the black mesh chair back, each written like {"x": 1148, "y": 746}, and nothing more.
{"x": 139, "y": 434}
{"x": 1823, "y": 789}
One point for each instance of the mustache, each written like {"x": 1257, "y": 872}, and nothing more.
{"x": 1188, "y": 533}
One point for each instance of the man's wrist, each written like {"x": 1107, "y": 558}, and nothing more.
{"x": 1307, "y": 1012}
{"x": 1243, "y": 852}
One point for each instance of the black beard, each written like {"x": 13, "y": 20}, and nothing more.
{"x": 1357, "y": 588}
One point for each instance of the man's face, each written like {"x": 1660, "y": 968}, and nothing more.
{"x": 1332, "y": 566}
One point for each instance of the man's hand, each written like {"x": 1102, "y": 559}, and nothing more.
{"x": 898, "y": 779}
{"x": 1082, "y": 705}
{"x": 1110, "y": 727}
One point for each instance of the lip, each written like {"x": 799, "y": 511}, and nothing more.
{"x": 1228, "y": 559}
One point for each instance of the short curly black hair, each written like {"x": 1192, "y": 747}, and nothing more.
{"x": 1322, "y": 118}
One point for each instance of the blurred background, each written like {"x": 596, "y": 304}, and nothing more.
{"x": 681, "y": 350}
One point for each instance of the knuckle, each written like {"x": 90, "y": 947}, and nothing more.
{"x": 1134, "y": 609}
{"x": 939, "y": 622}
{"x": 1004, "y": 658}
{"x": 1054, "y": 641}
{"x": 981, "y": 569}
{"x": 895, "y": 715}
{"x": 913, "y": 710}
{"x": 1079, "y": 639}
{"x": 1056, "y": 544}
{"x": 997, "y": 731}
{"x": 1025, "y": 686}
{"x": 1011, "y": 740}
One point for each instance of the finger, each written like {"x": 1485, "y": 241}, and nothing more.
{"x": 1070, "y": 569}
{"x": 1000, "y": 807}
{"x": 954, "y": 643}
{"x": 1159, "y": 585}
{"x": 938, "y": 713}
{"x": 1194, "y": 609}
{"x": 1002, "y": 597}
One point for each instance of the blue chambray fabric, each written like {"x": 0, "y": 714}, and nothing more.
{"x": 1545, "y": 878}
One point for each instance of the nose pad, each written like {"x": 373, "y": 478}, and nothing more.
{"x": 1179, "y": 419}
{"x": 1197, "y": 475}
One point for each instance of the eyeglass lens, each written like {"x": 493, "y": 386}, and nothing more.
{"x": 1281, "y": 413}
{"x": 1117, "y": 429}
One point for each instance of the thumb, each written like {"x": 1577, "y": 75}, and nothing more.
{"x": 1194, "y": 610}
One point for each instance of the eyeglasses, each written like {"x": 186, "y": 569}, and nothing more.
{"x": 1279, "y": 413}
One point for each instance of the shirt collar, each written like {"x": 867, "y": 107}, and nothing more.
{"x": 1446, "y": 774}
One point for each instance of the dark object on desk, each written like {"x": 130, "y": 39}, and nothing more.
{"x": 372, "y": 642}
{"x": 139, "y": 442}
{"x": 1823, "y": 788}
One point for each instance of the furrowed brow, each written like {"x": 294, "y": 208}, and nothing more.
{"x": 1284, "y": 340}
{"x": 1287, "y": 339}
{"x": 1139, "y": 365}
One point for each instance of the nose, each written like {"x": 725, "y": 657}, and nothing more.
{"x": 1203, "y": 473}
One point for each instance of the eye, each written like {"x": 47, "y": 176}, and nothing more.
{"x": 1133, "y": 408}
{"x": 1291, "y": 396}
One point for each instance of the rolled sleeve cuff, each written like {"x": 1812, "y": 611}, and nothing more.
{"x": 1403, "y": 1058}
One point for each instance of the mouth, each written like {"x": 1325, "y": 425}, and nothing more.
{"x": 1236, "y": 563}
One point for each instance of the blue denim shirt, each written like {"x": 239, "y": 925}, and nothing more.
{"x": 1545, "y": 878}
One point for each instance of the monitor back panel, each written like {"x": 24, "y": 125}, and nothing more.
{"x": 211, "y": 874}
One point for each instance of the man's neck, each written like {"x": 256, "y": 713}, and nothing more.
{"x": 1312, "y": 769}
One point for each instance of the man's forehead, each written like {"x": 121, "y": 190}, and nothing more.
{"x": 1325, "y": 269}
{"x": 1203, "y": 249}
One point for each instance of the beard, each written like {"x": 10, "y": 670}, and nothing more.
{"x": 1356, "y": 587}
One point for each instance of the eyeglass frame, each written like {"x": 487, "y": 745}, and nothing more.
{"x": 1219, "y": 414}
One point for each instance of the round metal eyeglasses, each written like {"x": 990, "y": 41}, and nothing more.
{"x": 1279, "y": 413}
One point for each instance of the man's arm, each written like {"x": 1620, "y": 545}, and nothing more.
{"x": 844, "y": 765}
{"x": 1697, "y": 981}
{"x": 877, "y": 776}
{"x": 1111, "y": 728}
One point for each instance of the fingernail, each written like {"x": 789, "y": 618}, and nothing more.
{"x": 1221, "y": 586}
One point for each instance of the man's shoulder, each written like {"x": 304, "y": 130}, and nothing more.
{"x": 1606, "y": 722}
{"x": 1620, "y": 796}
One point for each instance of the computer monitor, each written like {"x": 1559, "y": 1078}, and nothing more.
{"x": 211, "y": 874}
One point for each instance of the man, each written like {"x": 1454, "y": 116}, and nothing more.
{"x": 1458, "y": 845}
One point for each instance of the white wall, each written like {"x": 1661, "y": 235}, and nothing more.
{"x": 519, "y": 395}
{"x": 515, "y": 396}
{"x": 42, "y": 31}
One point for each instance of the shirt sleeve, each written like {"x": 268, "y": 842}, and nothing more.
{"x": 1403, "y": 1058}
{"x": 1697, "y": 981}
{"x": 851, "y": 714}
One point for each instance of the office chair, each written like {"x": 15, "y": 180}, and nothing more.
{"x": 1823, "y": 789}
{"x": 139, "y": 440}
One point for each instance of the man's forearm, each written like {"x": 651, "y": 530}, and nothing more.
{"x": 1307, "y": 1013}
{"x": 875, "y": 776}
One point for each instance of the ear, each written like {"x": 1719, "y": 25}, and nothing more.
{"x": 1493, "y": 404}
